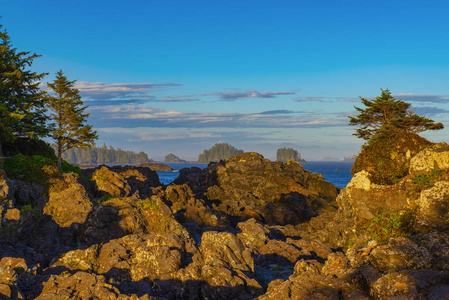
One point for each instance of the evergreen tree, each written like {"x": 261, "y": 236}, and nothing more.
{"x": 385, "y": 115}
{"x": 68, "y": 126}
{"x": 22, "y": 108}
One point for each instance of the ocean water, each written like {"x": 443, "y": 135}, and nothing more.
{"x": 336, "y": 172}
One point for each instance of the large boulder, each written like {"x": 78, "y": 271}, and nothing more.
{"x": 68, "y": 201}
{"x": 249, "y": 186}
{"x": 118, "y": 217}
{"x": 110, "y": 182}
{"x": 123, "y": 181}
{"x": 362, "y": 200}
{"x": 435, "y": 158}
{"x": 187, "y": 208}
{"x": 434, "y": 206}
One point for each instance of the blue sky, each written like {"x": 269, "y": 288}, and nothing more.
{"x": 180, "y": 76}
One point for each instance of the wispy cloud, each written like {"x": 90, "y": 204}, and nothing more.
{"x": 326, "y": 99}
{"x": 144, "y": 116}
{"x": 101, "y": 90}
{"x": 430, "y": 111}
{"x": 187, "y": 98}
{"x": 233, "y": 96}
{"x": 133, "y": 135}
{"x": 278, "y": 112}
{"x": 311, "y": 99}
{"x": 422, "y": 98}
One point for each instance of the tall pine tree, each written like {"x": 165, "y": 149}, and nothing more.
{"x": 22, "y": 107}
{"x": 68, "y": 127}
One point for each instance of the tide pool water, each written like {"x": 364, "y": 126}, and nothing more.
{"x": 336, "y": 172}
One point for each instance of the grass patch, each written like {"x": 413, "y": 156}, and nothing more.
{"x": 383, "y": 227}
{"x": 427, "y": 181}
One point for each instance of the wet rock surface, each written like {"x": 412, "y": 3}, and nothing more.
{"x": 245, "y": 228}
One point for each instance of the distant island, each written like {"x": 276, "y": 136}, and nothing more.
{"x": 104, "y": 155}
{"x": 171, "y": 158}
{"x": 218, "y": 152}
{"x": 350, "y": 158}
{"x": 285, "y": 154}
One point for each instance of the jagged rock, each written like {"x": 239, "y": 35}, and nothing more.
{"x": 111, "y": 182}
{"x": 248, "y": 186}
{"x": 363, "y": 200}
{"x": 400, "y": 253}
{"x": 68, "y": 201}
{"x": 123, "y": 181}
{"x": 433, "y": 206}
{"x": 9, "y": 266}
{"x": 140, "y": 179}
{"x": 309, "y": 282}
{"x": 195, "y": 178}
{"x": 189, "y": 209}
{"x": 409, "y": 284}
{"x": 6, "y": 191}
{"x": 131, "y": 258}
{"x": 435, "y": 158}
{"x": 26, "y": 193}
{"x": 226, "y": 262}
{"x": 82, "y": 285}
{"x": 118, "y": 217}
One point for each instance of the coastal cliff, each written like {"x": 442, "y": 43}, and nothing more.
{"x": 244, "y": 228}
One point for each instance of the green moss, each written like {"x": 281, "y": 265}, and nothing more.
{"x": 387, "y": 157}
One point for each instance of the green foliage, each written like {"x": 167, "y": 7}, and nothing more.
{"x": 385, "y": 115}
{"x": 385, "y": 156}
{"x": 285, "y": 154}
{"x": 427, "y": 181}
{"x": 218, "y": 152}
{"x": 35, "y": 168}
{"x": 103, "y": 155}
{"x": 22, "y": 109}
{"x": 383, "y": 227}
{"x": 68, "y": 127}
{"x": 69, "y": 168}
{"x": 26, "y": 168}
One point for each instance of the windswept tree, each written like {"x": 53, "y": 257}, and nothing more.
{"x": 391, "y": 130}
{"x": 385, "y": 115}
{"x": 68, "y": 126}
{"x": 22, "y": 107}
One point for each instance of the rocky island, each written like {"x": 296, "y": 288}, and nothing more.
{"x": 244, "y": 228}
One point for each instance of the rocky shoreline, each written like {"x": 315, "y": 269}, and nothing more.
{"x": 244, "y": 228}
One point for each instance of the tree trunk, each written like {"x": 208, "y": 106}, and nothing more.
{"x": 59, "y": 156}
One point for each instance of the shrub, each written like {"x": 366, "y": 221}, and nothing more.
{"x": 385, "y": 156}
{"x": 31, "y": 169}
{"x": 35, "y": 168}
{"x": 68, "y": 168}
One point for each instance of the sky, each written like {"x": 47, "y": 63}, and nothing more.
{"x": 180, "y": 76}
